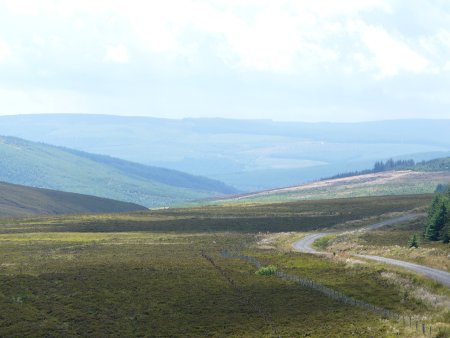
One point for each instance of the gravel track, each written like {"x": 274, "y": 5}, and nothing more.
{"x": 305, "y": 245}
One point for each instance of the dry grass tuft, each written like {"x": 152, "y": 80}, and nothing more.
{"x": 418, "y": 292}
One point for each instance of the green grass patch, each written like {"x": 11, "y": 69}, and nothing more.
{"x": 322, "y": 242}
{"x": 269, "y": 270}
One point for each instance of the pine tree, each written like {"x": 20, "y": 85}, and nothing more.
{"x": 441, "y": 188}
{"x": 437, "y": 218}
{"x": 446, "y": 191}
{"x": 446, "y": 238}
{"x": 413, "y": 242}
{"x": 432, "y": 212}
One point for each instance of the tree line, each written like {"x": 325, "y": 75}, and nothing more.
{"x": 390, "y": 164}
{"x": 437, "y": 226}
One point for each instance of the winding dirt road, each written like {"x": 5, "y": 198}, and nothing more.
{"x": 305, "y": 245}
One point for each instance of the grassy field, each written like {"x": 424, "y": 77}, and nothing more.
{"x": 392, "y": 241}
{"x": 277, "y": 217}
{"x": 144, "y": 274}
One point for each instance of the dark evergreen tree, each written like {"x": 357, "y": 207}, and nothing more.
{"x": 446, "y": 191}
{"x": 432, "y": 212}
{"x": 378, "y": 166}
{"x": 413, "y": 242}
{"x": 437, "y": 218}
{"x": 389, "y": 164}
{"x": 440, "y": 188}
{"x": 446, "y": 237}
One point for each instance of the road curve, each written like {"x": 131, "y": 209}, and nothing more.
{"x": 305, "y": 245}
{"x": 438, "y": 275}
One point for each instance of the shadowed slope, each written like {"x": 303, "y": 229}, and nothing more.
{"x": 17, "y": 200}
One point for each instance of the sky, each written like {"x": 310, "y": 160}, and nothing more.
{"x": 289, "y": 60}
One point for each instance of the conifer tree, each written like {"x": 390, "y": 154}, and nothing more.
{"x": 446, "y": 237}
{"x": 413, "y": 242}
{"x": 432, "y": 212}
{"x": 437, "y": 218}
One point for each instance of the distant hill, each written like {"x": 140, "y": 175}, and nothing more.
{"x": 18, "y": 201}
{"x": 247, "y": 154}
{"x": 437, "y": 164}
{"x": 390, "y": 177}
{"x": 401, "y": 182}
{"x": 45, "y": 166}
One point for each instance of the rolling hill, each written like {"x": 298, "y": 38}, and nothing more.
{"x": 18, "y": 201}
{"x": 247, "y": 154}
{"x": 402, "y": 182}
{"x": 44, "y": 166}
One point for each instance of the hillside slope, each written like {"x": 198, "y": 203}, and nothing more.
{"x": 40, "y": 165}
{"x": 403, "y": 182}
{"x": 17, "y": 201}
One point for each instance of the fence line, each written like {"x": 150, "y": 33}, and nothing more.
{"x": 339, "y": 296}
{"x": 245, "y": 298}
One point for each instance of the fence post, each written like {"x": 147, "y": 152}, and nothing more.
{"x": 423, "y": 328}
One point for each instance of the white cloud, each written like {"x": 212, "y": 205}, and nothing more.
{"x": 116, "y": 54}
{"x": 388, "y": 55}
{"x": 447, "y": 66}
{"x": 270, "y": 35}
{"x": 327, "y": 9}
{"x": 310, "y": 54}
{"x": 5, "y": 51}
{"x": 35, "y": 101}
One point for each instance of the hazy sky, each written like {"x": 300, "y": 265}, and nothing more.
{"x": 298, "y": 60}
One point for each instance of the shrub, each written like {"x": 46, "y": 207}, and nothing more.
{"x": 413, "y": 242}
{"x": 266, "y": 270}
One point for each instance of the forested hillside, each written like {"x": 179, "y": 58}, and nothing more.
{"x": 438, "y": 164}
{"x": 45, "y": 166}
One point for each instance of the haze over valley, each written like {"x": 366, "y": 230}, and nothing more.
{"x": 223, "y": 168}
{"x": 246, "y": 154}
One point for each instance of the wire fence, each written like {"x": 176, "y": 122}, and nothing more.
{"x": 244, "y": 298}
{"x": 411, "y": 321}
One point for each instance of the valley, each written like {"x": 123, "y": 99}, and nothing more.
{"x": 145, "y": 261}
{"x": 217, "y": 168}
{"x": 249, "y": 155}
{"x": 332, "y": 251}
{"x": 46, "y": 166}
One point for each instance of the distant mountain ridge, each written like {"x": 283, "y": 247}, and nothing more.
{"x": 45, "y": 166}
{"x": 247, "y": 154}
{"x": 19, "y": 201}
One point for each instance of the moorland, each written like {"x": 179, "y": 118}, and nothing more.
{"x": 161, "y": 273}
